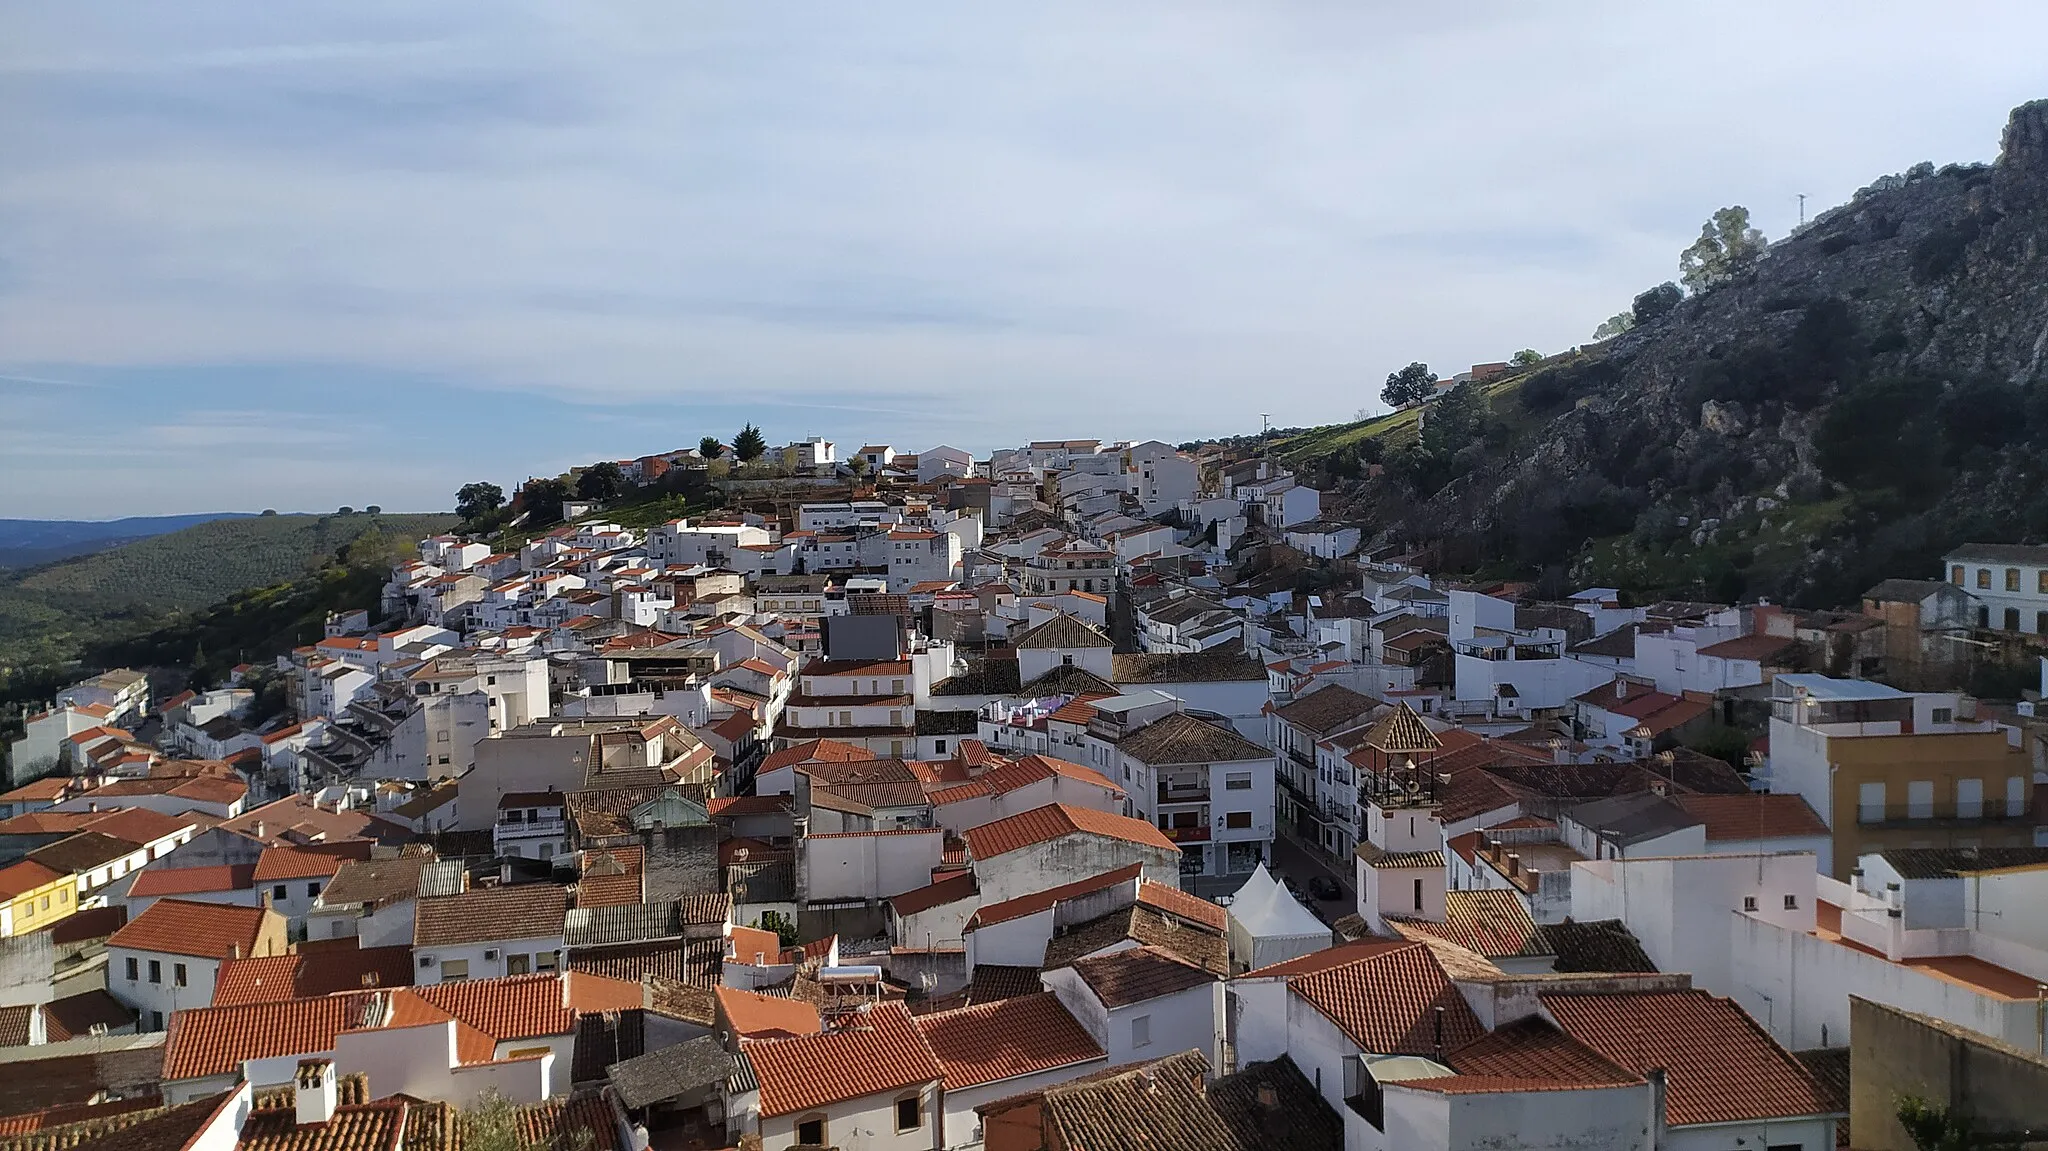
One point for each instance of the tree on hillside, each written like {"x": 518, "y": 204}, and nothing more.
{"x": 1526, "y": 358}
{"x": 1410, "y": 385}
{"x": 1453, "y": 420}
{"x": 600, "y": 481}
{"x": 748, "y": 445}
{"x": 1614, "y": 325}
{"x": 542, "y": 500}
{"x": 1727, "y": 247}
{"x": 475, "y": 501}
{"x": 710, "y": 448}
{"x": 1656, "y": 303}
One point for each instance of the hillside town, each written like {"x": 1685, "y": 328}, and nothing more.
{"x": 1089, "y": 794}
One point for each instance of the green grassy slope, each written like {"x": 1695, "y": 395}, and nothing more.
{"x": 54, "y": 613}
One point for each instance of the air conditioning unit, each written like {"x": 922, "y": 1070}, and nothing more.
{"x": 490, "y": 954}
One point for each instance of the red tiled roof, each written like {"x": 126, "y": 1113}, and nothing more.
{"x": 528, "y": 1006}
{"x": 24, "y": 876}
{"x": 1491, "y": 921}
{"x": 278, "y": 863}
{"x": 748, "y": 942}
{"x": 215, "y": 1040}
{"x": 1192, "y": 908}
{"x": 1386, "y": 1001}
{"x": 885, "y": 1053}
{"x": 139, "y": 824}
{"x": 753, "y": 1015}
{"x": 525, "y": 911}
{"x": 1037, "y": 901}
{"x": 1757, "y": 647}
{"x": 161, "y": 881}
{"x": 187, "y": 927}
{"x": 1722, "y": 1067}
{"x": 731, "y": 805}
{"x": 92, "y": 923}
{"x": 1533, "y": 1050}
{"x": 951, "y": 889}
{"x": 1136, "y": 974}
{"x": 1758, "y": 816}
{"x": 1043, "y": 824}
{"x": 1008, "y": 1038}
{"x": 310, "y": 973}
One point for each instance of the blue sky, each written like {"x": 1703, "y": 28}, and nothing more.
{"x": 300, "y": 255}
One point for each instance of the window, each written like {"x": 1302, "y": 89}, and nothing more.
{"x": 518, "y": 964}
{"x": 312, "y": 890}
{"x": 156, "y": 1021}
{"x": 1749, "y": 903}
{"x": 2012, "y": 619}
{"x": 1920, "y": 799}
{"x": 1238, "y": 819}
{"x": 2012, "y": 579}
{"x": 1791, "y": 903}
{"x": 2016, "y": 795}
{"x": 156, "y": 971}
{"x": 939, "y": 746}
{"x": 810, "y": 1131}
{"x": 2041, "y": 581}
{"x": 895, "y": 687}
{"x": 2041, "y": 623}
{"x": 1969, "y": 799}
{"x": 280, "y": 891}
{"x": 543, "y": 961}
{"x": 1418, "y": 895}
{"x": 1944, "y": 715}
{"x": 907, "y": 1114}
{"x": 1238, "y": 781}
{"x": 1141, "y": 1031}
{"x": 133, "y": 964}
{"x": 491, "y": 680}
{"x": 1870, "y": 803}
{"x": 43, "y": 904}
{"x": 1984, "y": 578}
{"x": 178, "y": 975}
{"x": 1955, "y": 575}
{"x": 64, "y": 895}
{"x": 440, "y": 737}
{"x": 454, "y": 970}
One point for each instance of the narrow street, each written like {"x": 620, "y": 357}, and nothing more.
{"x": 1293, "y": 861}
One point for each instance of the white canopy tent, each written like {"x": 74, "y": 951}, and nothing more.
{"x": 1268, "y": 925}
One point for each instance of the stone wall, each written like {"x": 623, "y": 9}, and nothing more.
{"x": 1895, "y": 1053}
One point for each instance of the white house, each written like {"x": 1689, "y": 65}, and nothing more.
{"x": 168, "y": 958}
{"x": 488, "y": 932}
{"x": 1141, "y": 1002}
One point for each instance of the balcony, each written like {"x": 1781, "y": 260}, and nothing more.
{"x": 1183, "y": 794}
{"x": 1186, "y": 834}
{"x": 1304, "y": 758}
{"x": 1902, "y": 815}
{"x": 531, "y": 827}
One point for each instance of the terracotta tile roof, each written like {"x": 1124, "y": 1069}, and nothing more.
{"x": 376, "y": 882}
{"x": 139, "y": 824}
{"x": 26, "y": 875}
{"x": 1491, "y": 921}
{"x": 362, "y": 1127}
{"x": 1136, "y": 974}
{"x": 186, "y": 927}
{"x": 1165, "y": 1103}
{"x": 14, "y": 1024}
{"x": 1594, "y": 945}
{"x": 1061, "y": 631}
{"x": 1044, "y": 824}
{"x": 111, "y": 1115}
{"x": 305, "y": 862}
{"x": 1326, "y": 710}
{"x": 886, "y": 1053}
{"x": 1722, "y": 1067}
{"x": 994, "y": 982}
{"x": 994, "y": 913}
{"x": 948, "y": 890}
{"x": 1533, "y": 1051}
{"x": 1386, "y": 1001}
{"x": 1757, "y": 647}
{"x": 734, "y": 805}
{"x": 1005, "y": 1039}
{"x": 309, "y": 973}
{"x": 1373, "y": 857}
{"x": 1174, "y": 901}
{"x": 1757, "y": 816}
{"x": 748, "y": 942}
{"x": 1079, "y": 709}
{"x": 529, "y": 1006}
{"x": 109, "y": 1129}
{"x": 612, "y": 877}
{"x": 750, "y": 1014}
{"x": 76, "y": 1015}
{"x": 1183, "y": 738}
{"x": 162, "y": 881}
{"x": 92, "y": 923}
{"x": 215, "y": 1040}
{"x": 525, "y": 911}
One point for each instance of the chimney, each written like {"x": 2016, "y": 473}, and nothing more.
{"x": 1514, "y": 864}
{"x": 259, "y": 829}
{"x": 1621, "y": 689}
{"x": 1659, "y": 1091}
{"x": 315, "y": 1094}
{"x": 1439, "y": 1023}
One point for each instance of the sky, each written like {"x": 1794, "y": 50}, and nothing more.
{"x": 303, "y": 255}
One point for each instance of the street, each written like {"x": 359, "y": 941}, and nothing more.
{"x": 1293, "y": 861}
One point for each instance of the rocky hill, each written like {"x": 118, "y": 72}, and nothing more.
{"x": 1868, "y": 392}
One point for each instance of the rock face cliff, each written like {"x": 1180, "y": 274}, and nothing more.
{"x": 1870, "y": 391}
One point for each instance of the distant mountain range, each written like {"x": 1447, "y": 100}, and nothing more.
{"x": 29, "y": 543}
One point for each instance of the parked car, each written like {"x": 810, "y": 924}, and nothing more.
{"x": 1294, "y": 888}
{"x": 1323, "y": 887}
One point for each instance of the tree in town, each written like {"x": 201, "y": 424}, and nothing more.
{"x": 1411, "y": 385}
{"x": 475, "y": 501}
{"x": 858, "y": 465}
{"x": 494, "y": 1123}
{"x": 600, "y": 481}
{"x": 1614, "y": 325}
{"x": 1656, "y": 303}
{"x": 748, "y": 445}
{"x": 543, "y": 500}
{"x": 1527, "y": 357}
{"x": 1727, "y": 247}
{"x": 710, "y": 448}
{"x": 1936, "y": 1128}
